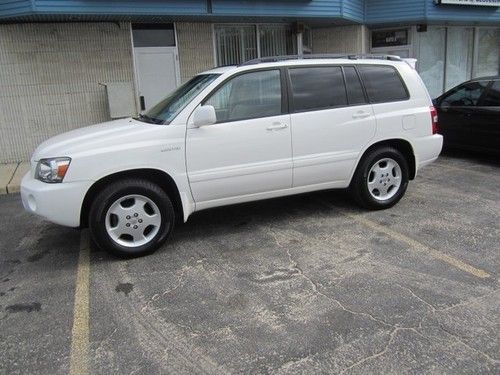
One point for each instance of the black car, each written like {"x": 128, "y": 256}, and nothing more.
{"x": 469, "y": 115}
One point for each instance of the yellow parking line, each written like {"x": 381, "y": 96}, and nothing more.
{"x": 421, "y": 247}
{"x": 79, "y": 361}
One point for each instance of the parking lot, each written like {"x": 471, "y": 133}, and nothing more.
{"x": 306, "y": 284}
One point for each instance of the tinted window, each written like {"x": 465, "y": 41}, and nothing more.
{"x": 354, "y": 89}
{"x": 465, "y": 95}
{"x": 382, "y": 84}
{"x": 153, "y": 35}
{"x": 317, "y": 88}
{"x": 492, "y": 98}
{"x": 249, "y": 95}
{"x": 166, "y": 110}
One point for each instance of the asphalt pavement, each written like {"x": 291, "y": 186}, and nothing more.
{"x": 307, "y": 284}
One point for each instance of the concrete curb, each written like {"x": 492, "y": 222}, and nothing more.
{"x": 11, "y": 176}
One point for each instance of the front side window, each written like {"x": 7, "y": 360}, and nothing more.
{"x": 382, "y": 84}
{"x": 465, "y": 95}
{"x": 249, "y": 95}
{"x": 492, "y": 98}
{"x": 166, "y": 110}
{"x": 315, "y": 88}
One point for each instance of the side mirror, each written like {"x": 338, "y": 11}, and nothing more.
{"x": 204, "y": 115}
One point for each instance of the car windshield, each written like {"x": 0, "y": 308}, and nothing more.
{"x": 166, "y": 110}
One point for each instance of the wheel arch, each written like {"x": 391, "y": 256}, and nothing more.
{"x": 399, "y": 144}
{"x": 161, "y": 178}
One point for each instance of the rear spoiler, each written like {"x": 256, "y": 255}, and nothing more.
{"x": 411, "y": 62}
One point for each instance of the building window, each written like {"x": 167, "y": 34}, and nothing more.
{"x": 235, "y": 44}
{"x": 276, "y": 40}
{"x": 459, "y": 42}
{"x": 389, "y": 38}
{"x": 448, "y": 56}
{"x": 488, "y": 59}
{"x": 153, "y": 35}
{"x": 431, "y": 49}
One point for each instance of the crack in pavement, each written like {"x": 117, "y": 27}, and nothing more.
{"x": 460, "y": 340}
{"x": 395, "y": 327}
{"x": 433, "y": 309}
{"x": 380, "y": 353}
{"x": 314, "y": 285}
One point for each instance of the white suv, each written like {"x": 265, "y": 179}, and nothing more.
{"x": 264, "y": 129}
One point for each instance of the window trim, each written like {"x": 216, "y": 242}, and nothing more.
{"x": 365, "y": 94}
{"x": 284, "y": 95}
{"x": 408, "y": 96}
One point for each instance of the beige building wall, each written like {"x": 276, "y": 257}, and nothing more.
{"x": 50, "y": 79}
{"x": 340, "y": 39}
{"x": 196, "y": 48}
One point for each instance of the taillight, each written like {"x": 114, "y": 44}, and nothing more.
{"x": 434, "y": 120}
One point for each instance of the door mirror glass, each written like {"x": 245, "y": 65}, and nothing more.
{"x": 204, "y": 115}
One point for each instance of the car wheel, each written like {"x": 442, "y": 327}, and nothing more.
{"x": 131, "y": 218}
{"x": 381, "y": 179}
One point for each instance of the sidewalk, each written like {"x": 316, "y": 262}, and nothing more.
{"x": 11, "y": 175}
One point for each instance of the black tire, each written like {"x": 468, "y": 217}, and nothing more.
{"x": 359, "y": 185}
{"x": 113, "y": 193}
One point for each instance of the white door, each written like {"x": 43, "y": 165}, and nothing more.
{"x": 330, "y": 125}
{"x": 157, "y": 73}
{"x": 248, "y": 151}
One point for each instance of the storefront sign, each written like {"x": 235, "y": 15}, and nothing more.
{"x": 488, "y": 3}
{"x": 389, "y": 38}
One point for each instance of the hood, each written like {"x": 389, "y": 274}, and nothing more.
{"x": 92, "y": 137}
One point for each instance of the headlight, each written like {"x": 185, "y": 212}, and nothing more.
{"x": 52, "y": 170}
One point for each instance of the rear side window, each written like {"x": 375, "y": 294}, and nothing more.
{"x": 355, "y": 93}
{"x": 492, "y": 98}
{"x": 315, "y": 88}
{"x": 383, "y": 84}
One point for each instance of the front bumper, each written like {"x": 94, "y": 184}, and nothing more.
{"x": 59, "y": 203}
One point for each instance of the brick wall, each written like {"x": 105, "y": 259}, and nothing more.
{"x": 196, "y": 48}
{"x": 340, "y": 39}
{"x": 49, "y": 79}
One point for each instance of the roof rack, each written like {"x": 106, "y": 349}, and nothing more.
{"x": 352, "y": 56}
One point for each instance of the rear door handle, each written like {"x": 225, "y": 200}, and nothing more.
{"x": 277, "y": 126}
{"x": 361, "y": 115}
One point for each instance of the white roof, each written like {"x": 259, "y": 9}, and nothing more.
{"x": 308, "y": 61}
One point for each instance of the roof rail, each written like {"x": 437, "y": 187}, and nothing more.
{"x": 351, "y": 56}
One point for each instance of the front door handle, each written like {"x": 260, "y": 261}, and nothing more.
{"x": 277, "y": 126}
{"x": 361, "y": 115}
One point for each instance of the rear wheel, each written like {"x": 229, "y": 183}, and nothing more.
{"x": 131, "y": 217}
{"x": 381, "y": 179}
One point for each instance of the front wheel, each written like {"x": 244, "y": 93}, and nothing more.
{"x": 381, "y": 179}
{"x": 131, "y": 217}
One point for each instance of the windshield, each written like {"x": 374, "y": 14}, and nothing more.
{"x": 166, "y": 110}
